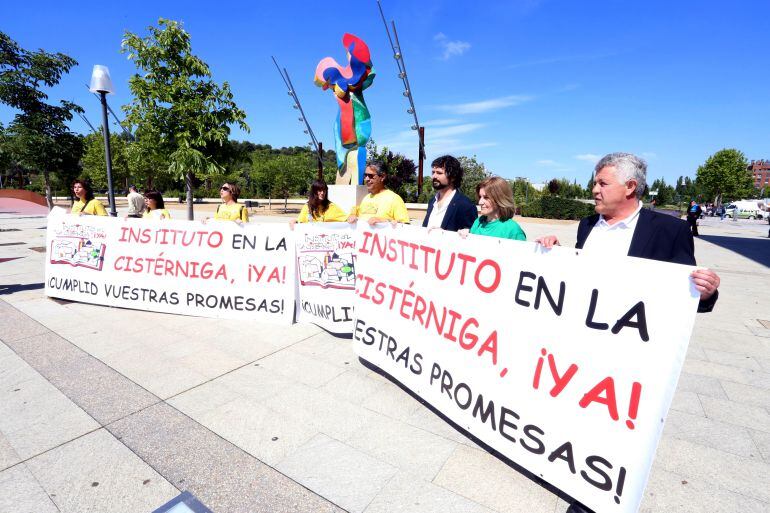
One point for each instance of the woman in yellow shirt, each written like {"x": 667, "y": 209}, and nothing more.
{"x": 318, "y": 208}
{"x": 230, "y": 209}
{"x": 154, "y": 207}
{"x": 86, "y": 204}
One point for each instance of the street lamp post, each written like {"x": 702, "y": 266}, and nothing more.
{"x": 102, "y": 83}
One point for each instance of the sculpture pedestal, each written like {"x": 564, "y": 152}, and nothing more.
{"x": 347, "y": 196}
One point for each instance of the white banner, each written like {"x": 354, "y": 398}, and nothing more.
{"x": 217, "y": 269}
{"x": 326, "y": 278}
{"x": 563, "y": 363}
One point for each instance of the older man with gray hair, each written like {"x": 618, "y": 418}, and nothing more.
{"x": 621, "y": 227}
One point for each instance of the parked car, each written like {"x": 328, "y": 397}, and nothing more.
{"x": 745, "y": 213}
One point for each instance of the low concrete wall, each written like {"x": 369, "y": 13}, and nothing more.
{"x": 21, "y": 194}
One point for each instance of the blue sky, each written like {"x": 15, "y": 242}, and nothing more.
{"x": 533, "y": 88}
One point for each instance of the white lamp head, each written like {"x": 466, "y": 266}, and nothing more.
{"x": 100, "y": 80}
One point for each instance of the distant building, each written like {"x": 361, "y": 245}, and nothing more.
{"x": 760, "y": 171}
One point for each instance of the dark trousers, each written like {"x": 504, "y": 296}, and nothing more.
{"x": 693, "y": 222}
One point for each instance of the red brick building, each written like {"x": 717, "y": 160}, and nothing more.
{"x": 760, "y": 171}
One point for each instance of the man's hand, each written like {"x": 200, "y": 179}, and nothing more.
{"x": 463, "y": 233}
{"x": 374, "y": 220}
{"x": 352, "y": 219}
{"x": 706, "y": 282}
{"x": 548, "y": 241}
{"x": 292, "y": 222}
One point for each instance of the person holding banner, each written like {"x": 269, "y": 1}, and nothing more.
{"x": 154, "y": 207}
{"x": 381, "y": 204}
{"x": 86, "y": 204}
{"x": 496, "y": 208}
{"x": 622, "y": 227}
{"x": 230, "y": 209}
{"x": 449, "y": 209}
{"x": 318, "y": 208}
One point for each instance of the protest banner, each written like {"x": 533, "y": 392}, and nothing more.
{"x": 326, "y": 279}
{"x": 217, "y": 269}
{"x": 565, "y": 364}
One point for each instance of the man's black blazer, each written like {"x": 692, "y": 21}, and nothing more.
{"x": 461, "y": 213}
{"x": 657, "y": 237}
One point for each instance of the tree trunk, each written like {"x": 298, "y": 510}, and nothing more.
{"x": 48, "y": 195}
{"x": 189, "y": 184}
{"x": 285, "y": 204}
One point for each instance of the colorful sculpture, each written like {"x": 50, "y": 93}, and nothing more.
{"x": 353, "y": 126}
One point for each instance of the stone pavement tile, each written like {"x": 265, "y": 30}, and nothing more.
{"x": 702, "y": 385}
{"x": 342, "y": 474}
{"x": 667, "y": 491}
{"x": 265, "y": 434}
{"x": 96, "y": 473}
{"x": 753, "y": 417}
{"x": 332, "y": 350}
{"x": 734, "y": 359}
{"x": 741, "y": 344}
{"x": 211, "y": 362}
{"x": 353, "y": 385}
{"x": 301, "y": 368}
{"x": 21, "y": 493}
{"x": 745, "y": 476}
{"x": 335, "y": 418}
{"x": 728, "y": 373}
{"x": 101, "y": 391}
{"x": 760, "y": 332}
{"x": 8, "y": 456}
{"x": 762, "y": 439}
{"x": 427, "y": 420}
{"x": 561, "y": 506}
{"x": 687, "y": 402}
{"x": 409, "y": 448}
{"x": 502, "y": 488}
{"x": 393, "y": 402}
{"x": 747, "y": 394}
{"x": 34, "y": 415}
{"x": 255, "y": 382}
{"x": 202, "y": 398}
{"x": 221, "y": 475}
{"x": 16, "y": 325}
{"x": 407, "y": 493}
{"x": 695, "y": 352}
{"x": 722, "y": 436}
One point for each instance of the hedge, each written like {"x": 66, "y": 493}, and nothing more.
{"x": 554, "y": 207}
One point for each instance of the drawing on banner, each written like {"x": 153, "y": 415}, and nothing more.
{"x": 327, "y": 260}
{"x": 79, "y": 246}
{"x": 78, "y": 252}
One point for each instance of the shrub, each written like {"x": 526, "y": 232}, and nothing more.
{"x": 554, "y": 207}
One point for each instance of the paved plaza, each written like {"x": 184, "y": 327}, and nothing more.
{"x": 112, "y": 410}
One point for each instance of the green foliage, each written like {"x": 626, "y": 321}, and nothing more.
{"x": 474, "y": 172}
{"x": 554, "y": 207}
{"x": 38, "y": 137}
{"x": 726, "y": 173}
{"x": 566, "y": 189}
{"x": 402, "y": 172}
{"x": 665, "y": 194}
{"x": 179, "y": 112}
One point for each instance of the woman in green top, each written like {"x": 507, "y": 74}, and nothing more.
{"x": 86, "y": 204}
{"x": 497, "y": 209}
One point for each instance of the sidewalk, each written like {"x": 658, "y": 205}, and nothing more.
{"x": 112, "y": 410}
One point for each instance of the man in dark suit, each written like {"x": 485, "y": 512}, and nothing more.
{"x": 449, "y": 209}
{"x": 621, "y": 227}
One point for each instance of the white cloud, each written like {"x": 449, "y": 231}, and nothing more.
{"x": 588, "y": 157}
{"x": 445, "y": 137}
{"x": 547, "y": 163}
{"x": 487, "y": 105}
{"x": 451, "y": 48}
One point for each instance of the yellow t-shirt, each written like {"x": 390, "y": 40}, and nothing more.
{"x": 158, "y": 213}
{"x": 92, "y": 208}
{"x": 385, "y": 204}
{"x": 232, "y": 212}
{"x": 333, "y": 214}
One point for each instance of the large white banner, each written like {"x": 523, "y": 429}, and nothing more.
{"x": 564, "y": 363}
{"x": 217, "y": 269}
{"x": 326, "y": 277}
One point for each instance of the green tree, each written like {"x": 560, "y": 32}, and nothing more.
{"x": 41, "y": 138}
{"x": 402, "y": 171}
{"x": 473, "y": 173}
{"x": 726, "y": 174}
{"x": 178, "y": 110}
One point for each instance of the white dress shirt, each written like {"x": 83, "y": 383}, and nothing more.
{"x": 612, "y": 240}
{"x": 439, "y": 210}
